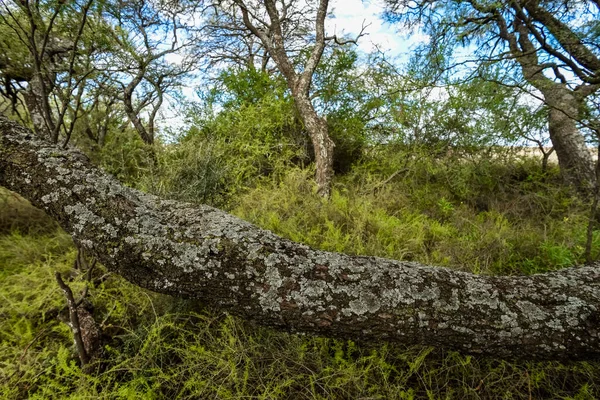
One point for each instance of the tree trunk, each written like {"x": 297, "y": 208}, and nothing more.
{"x": 565, "y": 104}
{"x": 132, "y": 113}
{"x": 136, "y": 121}
{"x": 39, "y": 113}
{"x": 299, "y": 83}
{"x": 201, "y": 252}
{"x": 574, "y": 158}
{"x": 322, "y": 144}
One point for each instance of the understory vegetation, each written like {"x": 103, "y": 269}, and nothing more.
{"x": 413, "y": 154}
{"x": 487, "y": 215}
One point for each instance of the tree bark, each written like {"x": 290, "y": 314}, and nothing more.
{"x": 201, "y": 252}
{"x": 322, "y": 144}
{"x": 574, "y": 158}
{"x": 133, "y": 114}
{"x": 37, "y": 106}
{"x": 565, "y": 105}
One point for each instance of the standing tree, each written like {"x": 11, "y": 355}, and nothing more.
{"x": 272, "y": 22}
{"x": 552, "y": 44}
{"x": 149, "y": 59}
{"x": 46, "y": 60}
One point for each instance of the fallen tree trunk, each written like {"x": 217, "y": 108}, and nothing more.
{"x": 201, "y": 252}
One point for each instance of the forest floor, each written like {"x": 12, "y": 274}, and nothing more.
{"x": 492, "y": 216}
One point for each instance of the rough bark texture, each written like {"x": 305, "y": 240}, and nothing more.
{"x": 564, "y": 105}
{"x": 36, "y": 102}
{"x": 574, "y": 158}
{"x": 201, "y": 252}
{"x": 322, "y": 144}
{"x": 147, "y": 135}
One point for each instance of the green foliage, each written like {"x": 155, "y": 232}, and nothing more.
{"x": 17, "y": 250}
{"x": 485, "y": 216}
{"x": 194, "y": 170}
{"x": 255, "y": 136}
{"x": 127, "y": 157}
{"x": 357, "y": 96}
{"x": 466, "y": 116}
{"x": 238, "y": 87}
{"x": 255, "y": 109}
{"x": 262, "y": 138}
{"x": 14, "y": 56}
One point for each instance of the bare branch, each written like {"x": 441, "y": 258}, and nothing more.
{"x": 354, "y": 41}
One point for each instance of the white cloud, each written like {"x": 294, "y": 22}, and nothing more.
{"x": 351, "y": 15}
{"x": 174, "y": 58}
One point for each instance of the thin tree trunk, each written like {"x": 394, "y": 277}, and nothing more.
{"x": 37, "y": 107}
{"x": 322, "y": 144}
{"x": 299, "y": 83}
{"x": 201, "y": 252}
{"x": 132, "y": 113}
{"x": 136, "y": 121}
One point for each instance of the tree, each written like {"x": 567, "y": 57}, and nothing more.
{"x": 66, "y": 60}
{"x": 354, "y": 94}
{"x": 47, "y": 60}
{"x": 551, "y": 42}
{"x": 358, "y": 96}
{"x": 145, "y": 34}
{"x": 201, "y": 252}
{"x": 271, "y": 24}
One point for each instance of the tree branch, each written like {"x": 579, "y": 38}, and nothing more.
{"x": 201, "y": 252}
{"x": 342, "y": 42}
{"x": 74, "y": 320}
{"x": 568, "y": 39}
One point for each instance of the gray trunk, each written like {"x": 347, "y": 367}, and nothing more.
{"x": 565, "y": 104}
{"x": 38, "y": 111}
{"x": 574, "y": 158}
{"x": 201, "y": 252}
{"x": 322, "y": 144}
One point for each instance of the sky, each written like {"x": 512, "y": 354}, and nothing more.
{"x": 349, "y": 17}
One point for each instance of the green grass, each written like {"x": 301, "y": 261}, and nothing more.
{"x": 519, "y": 231}
{"x": 17, "y": 215}
{"x": 489, "y": 218}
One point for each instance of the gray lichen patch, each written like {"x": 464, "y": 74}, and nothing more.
{"x": 272, "y": 276}
{"x": 366, "y": 303}
{"x": 83, "y": 217}
{"x": 532, "y": 311}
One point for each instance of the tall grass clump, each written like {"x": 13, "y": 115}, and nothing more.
{"x": 484, "y": 216}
